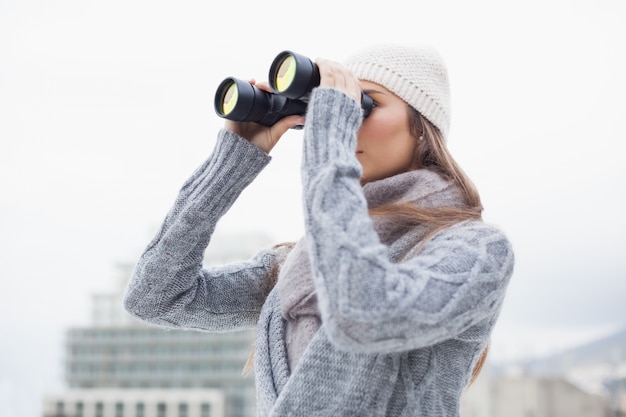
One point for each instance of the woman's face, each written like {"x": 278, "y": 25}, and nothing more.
{"x": 385, "y": 146}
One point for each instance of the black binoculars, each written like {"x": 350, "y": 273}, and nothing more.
{"x": 291, "y": 77}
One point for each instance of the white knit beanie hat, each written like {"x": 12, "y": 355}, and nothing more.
{"x": 416, "y": 74}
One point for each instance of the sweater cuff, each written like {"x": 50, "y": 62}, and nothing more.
{"x": 235, "y": 164}
{"x": 333, "y": 119}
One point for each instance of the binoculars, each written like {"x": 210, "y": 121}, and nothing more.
{"x": 291, "y": 78}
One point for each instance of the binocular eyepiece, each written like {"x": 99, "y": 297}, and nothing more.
{"x": 292, "y": 77}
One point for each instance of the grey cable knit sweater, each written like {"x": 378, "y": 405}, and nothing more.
{"x": 396, "y": 338}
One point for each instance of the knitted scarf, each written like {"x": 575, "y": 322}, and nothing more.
{"x": 296, "y": 290}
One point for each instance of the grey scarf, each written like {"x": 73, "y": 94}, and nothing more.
{"x": 296, "y": 290}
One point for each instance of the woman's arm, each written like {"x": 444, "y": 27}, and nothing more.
{"x": 169, "y": 285}
{"x": 369, "y": 303}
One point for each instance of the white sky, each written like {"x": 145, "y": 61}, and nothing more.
{"x": 106, "y": 108}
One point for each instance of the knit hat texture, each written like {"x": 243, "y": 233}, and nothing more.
{"x": 416, "y": 74}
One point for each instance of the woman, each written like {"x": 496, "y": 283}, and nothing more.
{"x": 386, "y": 305}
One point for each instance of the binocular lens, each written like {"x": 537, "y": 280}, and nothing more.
{"x": 285, "y": 73}
{"x": 241, "y": 101}
{"x": 293, "y": 75}
{"x": 229, "y": 99}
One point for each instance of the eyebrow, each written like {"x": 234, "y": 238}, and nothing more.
{"x": 373, "y": 91}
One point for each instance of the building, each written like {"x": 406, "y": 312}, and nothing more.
{"x": 597, "y": 367}
{"x": 119, "y": 366}
{"x": 523, "y": 396}
{"x": 114, "y": 402}
{"x": 141, "y": 358}
{"x": 587, "y": 380}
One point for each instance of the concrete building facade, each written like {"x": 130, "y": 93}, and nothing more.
{"x": 113, "y": 402}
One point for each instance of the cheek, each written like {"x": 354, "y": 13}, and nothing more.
{"x": 390, "y": 135}
{"x": 371, "y": 131}
{"x": 377, "y": 130}
{"x": 394, "y": 151}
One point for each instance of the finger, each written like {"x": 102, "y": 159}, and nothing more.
{"x": 327, "y": 77}
{"x": 265, "y": 87}
{"x": 335, "y": 75}
{"x": 283, "y": 125}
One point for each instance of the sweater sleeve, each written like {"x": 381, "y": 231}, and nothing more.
{"x": 369, "y": 303}
{"x": 169, "y": 285}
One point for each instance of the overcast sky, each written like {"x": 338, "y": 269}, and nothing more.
{"x": 106, "y": 108}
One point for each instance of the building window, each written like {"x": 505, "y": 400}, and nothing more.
{"x": 139, "y": 410}
{"x": 60, "y": 408}
{"x": 238, "y": 405}
{"x": 205, "y": 410}
{"x": 99, "y": 410}
{"x": 79, "y": 409}
{"x": 182, "y": 410}
{"x": 119, "y": 409}
{"x": 161, "y": 409}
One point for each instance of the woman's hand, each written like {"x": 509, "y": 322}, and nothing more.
{"x": 335, "y": 75}
{"x": 262, "y": 136}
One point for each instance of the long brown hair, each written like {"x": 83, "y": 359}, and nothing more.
{"x": 433, "y": 154}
